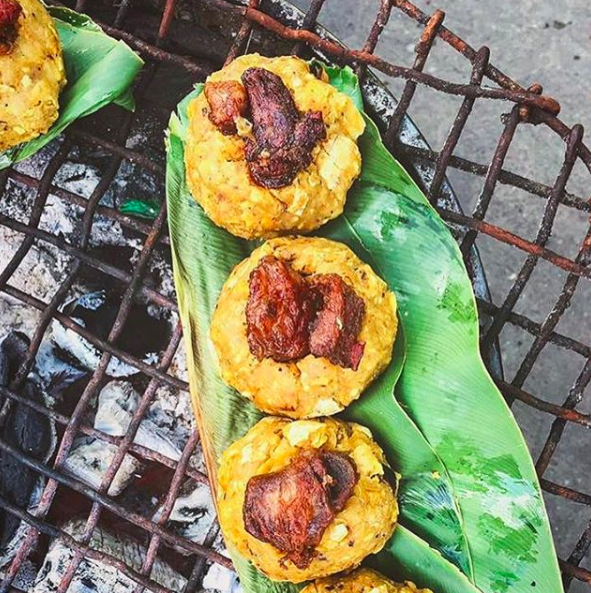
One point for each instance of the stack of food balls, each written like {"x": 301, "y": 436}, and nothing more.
{"x": 301, "y": 327}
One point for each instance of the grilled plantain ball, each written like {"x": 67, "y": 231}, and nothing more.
{"x": 363, "y": 580}
{"x": 303, "y": 326}
{"x": 31, "y": 71}
{"x": 305, "y": 499}
{"x": 271, "y": 149}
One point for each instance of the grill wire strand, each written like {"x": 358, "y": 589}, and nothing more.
{"x": 529, "y": 106}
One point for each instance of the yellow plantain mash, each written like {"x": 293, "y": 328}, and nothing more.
{"x": 217, "y": 172}
{"x": 31, "y": 77}
{"x": 311, "y": 386}
{"x": 363, "y": 580}
{"x": 361, "y": 528}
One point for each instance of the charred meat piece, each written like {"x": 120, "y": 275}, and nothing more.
{"x": 278, "y": 312}
{"x": 334, "y": 332}
{"x": 227, "y": 101}
{"x": 283, "y": 140}
{"x": 288, "y": 316}
{"x": 10, "y": 11}
{"x": 291, "y": 509}
{"x": 342, "y": 472}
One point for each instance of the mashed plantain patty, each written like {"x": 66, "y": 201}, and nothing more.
{"x": 311, "y": 385}
{"x": 270, "y": 451}
{"x": 362, "y": 580}
{"x": 229, "y": 188}
{"x": 31, "y": 77}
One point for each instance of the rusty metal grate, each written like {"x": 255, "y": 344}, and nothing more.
{"x": 159, "y": 45}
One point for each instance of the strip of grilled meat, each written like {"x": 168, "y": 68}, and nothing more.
{"x": 289, "y": 316}
{"x": 291, "y": 509}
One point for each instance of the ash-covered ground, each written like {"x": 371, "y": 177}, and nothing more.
{"x": 62, "y": 370}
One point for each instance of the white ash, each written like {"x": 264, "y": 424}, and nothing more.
{"x": 220, "y": 579}
{"x": 166, "y": 414}
{"x": 178, "y": 367}
{"x": 172, "y": 411}
{"x": 42, "y": 269}
{"x": 89, "y": 460}
{"x": 116, "y": 404}
{"x": 84, "y": 352}
{"x": 35, "y": 165}
{"x": 96, "y": 577}
{"x": 379, "y": 98}
{"x": 49, "y": 365}
{"x": 26, "y": 576}
{"x": 78, "y": 178}
{"x": 288, "y": 13}
{"x": 193, "y": 514}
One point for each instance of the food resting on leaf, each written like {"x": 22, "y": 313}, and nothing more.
{"x": 362, "y": 580}
{"x": 32, "y": 71}
{"x": 271, "y": 148}
{"x": 302, "y": 326}
{"x": 305, "y": 499}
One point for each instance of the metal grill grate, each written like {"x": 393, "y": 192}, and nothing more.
{"x": 163, "y": 52}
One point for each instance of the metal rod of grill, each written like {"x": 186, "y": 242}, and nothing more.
{"x": 528, "y": 106}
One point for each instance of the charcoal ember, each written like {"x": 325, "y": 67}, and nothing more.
{"x": 10, "y": 11}
{"x": 336, "y": 327}
{"x": 227, "y": 102}
{"x": 193, "y": 514}
{"x": 13, "y": 351}
{"x": 143, "y": 335}
{"x": 116, "y": 404}
{"x": 26, "y": 430}
{"x": 66, "y": 386}
{"x": 89, "y": 460}
{"x": 291, "y": 508}
{"x": 278, "y": 311}
{"x": 96, "y": 577}
{"x": 283, "y": 140}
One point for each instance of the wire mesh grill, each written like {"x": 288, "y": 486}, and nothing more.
{"x": 158, "y": 44}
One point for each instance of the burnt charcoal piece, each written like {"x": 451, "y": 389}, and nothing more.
{"x": 118, "y": 256}
{"x": 227, "y": 101}
{"x": 291, "y": 509}
{"x": 283, "y": 140}
{"x": 24, "y": 429}
{"x": 278, "y": 312}
{"x": 336, "y": 328}
{"x": 97, "y": 312}
{"x": 10, "y": 11}
{"x": 13, "y": 351}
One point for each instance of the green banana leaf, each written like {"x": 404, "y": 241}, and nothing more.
{"x": 99, "y": 69}
{"x": 469, "y": 496}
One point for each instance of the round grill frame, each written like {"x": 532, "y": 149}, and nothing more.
{"x": 528, "y": 106}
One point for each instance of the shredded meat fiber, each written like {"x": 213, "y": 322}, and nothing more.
{"x": 291, "y": 509}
